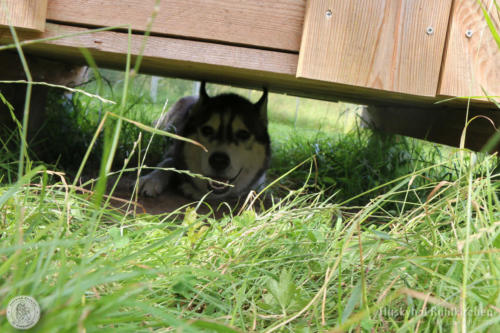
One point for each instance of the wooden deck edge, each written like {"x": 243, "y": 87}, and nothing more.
{"x": 234, "y": 65}
{"x": 268, "y": 24}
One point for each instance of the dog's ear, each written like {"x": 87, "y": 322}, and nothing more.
{"x": 203, "y": 92}
{"x": 202, "y": 99}
{"x": 261, "y": 106}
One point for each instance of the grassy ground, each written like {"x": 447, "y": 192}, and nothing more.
{"x": 374, "y": 233}
{"x": 370, "y": 232}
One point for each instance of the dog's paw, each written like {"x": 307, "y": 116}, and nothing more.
{"x": 152, "y": 185}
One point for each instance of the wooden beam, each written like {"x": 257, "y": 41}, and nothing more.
{"x": 394, "y": 45}
{"x": 24, "y": 14}
{"x": 114, "y": 45}
{"x": 197, "y": 60}
{"x": 442, "y": 125}
{"x": 472, "y": 58}
{"x": 274, "y": 24}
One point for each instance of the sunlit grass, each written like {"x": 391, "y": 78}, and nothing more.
{"x": 372, "y": 233}
{"x": 295, "y": 266}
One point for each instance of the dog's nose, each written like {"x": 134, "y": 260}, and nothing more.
{"x": 219, "y": 161}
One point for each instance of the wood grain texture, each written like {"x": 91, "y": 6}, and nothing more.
{"x": 275, "y": 24}
{"x": 471, "y": 63}
{"x": 376, "y": 44}
{"x": 115, "y": 46}
{"x": 24, "y": 14}
{"x": 197, "y": 60}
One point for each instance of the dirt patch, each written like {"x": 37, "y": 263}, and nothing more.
{"x": 171, "y": 201}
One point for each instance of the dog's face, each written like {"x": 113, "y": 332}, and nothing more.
{"x": 234, "y": 131}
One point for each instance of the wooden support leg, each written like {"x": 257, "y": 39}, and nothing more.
{"x": 438, "y": 125}
{"x": 42, "y": 70}
{"x": 15, "y": 94}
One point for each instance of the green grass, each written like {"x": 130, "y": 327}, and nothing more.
{"x": 370, "y": 233}
{"x": 304, "y": 265}
{"x": 422, "y": 242}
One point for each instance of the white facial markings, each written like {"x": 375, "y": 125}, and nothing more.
{"x": 247, "y": 157}
{"x": 239, "y": 125}
{"x": 225, "y": 118}
{"x": 214, "y": 122}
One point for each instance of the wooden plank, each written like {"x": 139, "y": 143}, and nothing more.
{"x": 275, "y": 24}
{"x": 115, "y": 46}
{"x": 25, "y": 14}
{"x": 377, "y": 44}
{"x": 197, "y": 60}
{"x": 472, "y": 58}
{"x": 438, "y": 125}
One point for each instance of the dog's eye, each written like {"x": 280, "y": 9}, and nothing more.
{"x": 207, "y": 131}
{"x": 242, "y": 135}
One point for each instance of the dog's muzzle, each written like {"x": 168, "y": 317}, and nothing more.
{"x": 222, "y": 185}
{"x": 219, "y": 162}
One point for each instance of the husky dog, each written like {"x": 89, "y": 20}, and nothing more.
{"x": 235, "y": 133}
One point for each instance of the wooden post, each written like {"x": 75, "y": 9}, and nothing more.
{"x": 444, "y": 125}
{"x": 24, "y": 14}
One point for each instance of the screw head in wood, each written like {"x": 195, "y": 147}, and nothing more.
{"x": 430, "y": 30}
{"x": 328, "y": 13}
{"x": 469, "y": 33}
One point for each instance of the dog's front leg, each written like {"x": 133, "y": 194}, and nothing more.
{"x": 154, "y": 183}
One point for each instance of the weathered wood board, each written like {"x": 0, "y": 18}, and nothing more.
{"x": 24, "y": 14}
{"x": 111, "y": 47}
{"x": 275, "y": 24}
{"x": 472, "y": 59}
{"x": 198, "y": 60}
{"x": 394, "y": 45}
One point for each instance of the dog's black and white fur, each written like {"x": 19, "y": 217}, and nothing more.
{"x": 234, "y": 131}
